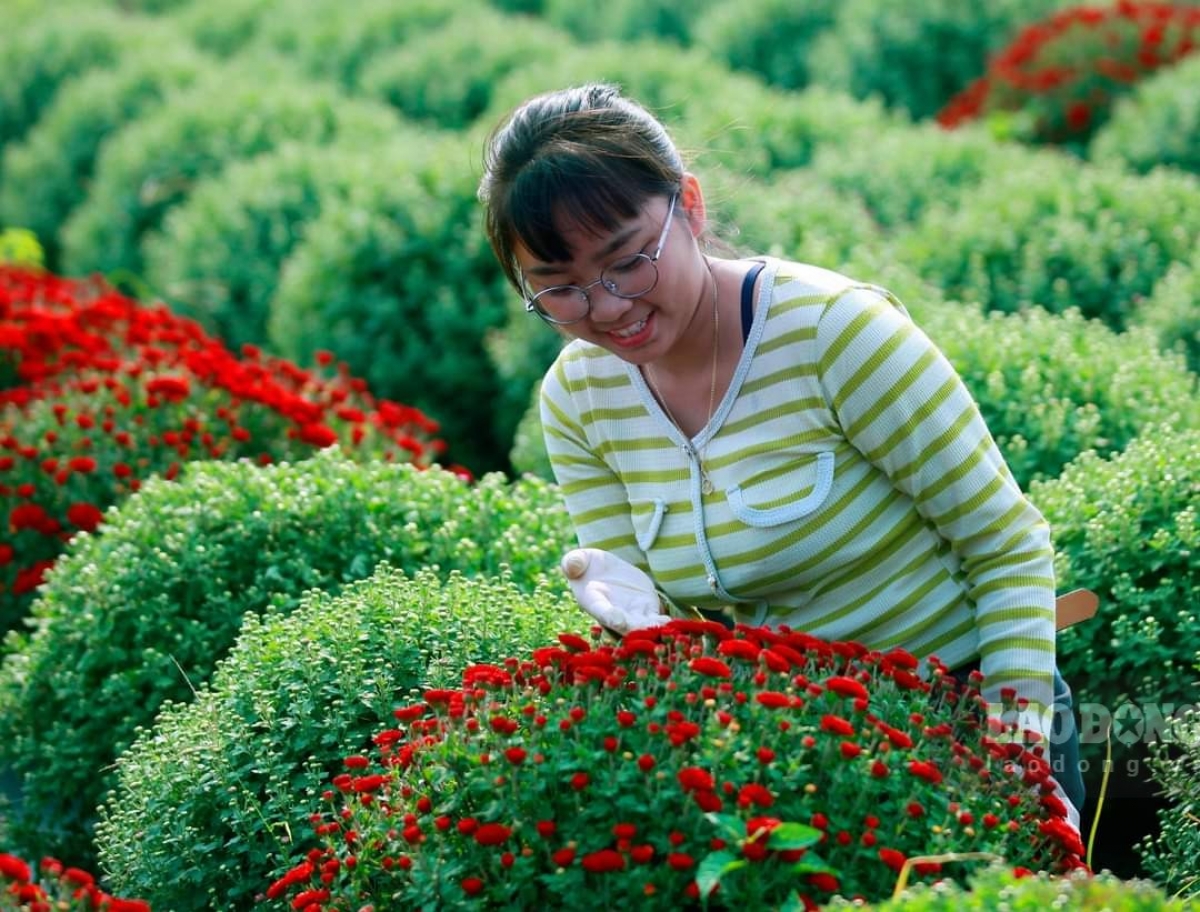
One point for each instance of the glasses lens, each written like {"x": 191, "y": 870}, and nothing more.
{"x": 630, "y": 277}
{"x": 561, "y": 304}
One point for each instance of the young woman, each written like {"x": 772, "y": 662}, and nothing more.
{"x": 771, "y": 442}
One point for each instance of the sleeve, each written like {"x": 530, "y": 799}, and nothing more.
{"x": 900, "y": 402}
{"x": 596, "y": 499}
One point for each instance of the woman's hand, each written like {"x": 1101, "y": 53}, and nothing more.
{"x": 613, "y": 591}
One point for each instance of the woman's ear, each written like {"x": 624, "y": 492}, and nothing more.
{"x": 691, "y": 197}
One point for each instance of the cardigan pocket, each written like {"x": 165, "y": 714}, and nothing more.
{"x": 647, "y": 520}
{"x": 814, "y": 476}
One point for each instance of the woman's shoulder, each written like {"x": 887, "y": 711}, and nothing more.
{"x": 793, "y": 278}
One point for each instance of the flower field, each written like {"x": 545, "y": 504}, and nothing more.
{"x": 281, "y": 620}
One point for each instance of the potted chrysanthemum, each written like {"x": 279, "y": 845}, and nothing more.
{"x": 685, "y": 765}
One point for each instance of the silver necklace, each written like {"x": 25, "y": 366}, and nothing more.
{"x": 706, "y": 484}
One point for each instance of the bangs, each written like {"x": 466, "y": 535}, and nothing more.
{"x": 597, "y": 195}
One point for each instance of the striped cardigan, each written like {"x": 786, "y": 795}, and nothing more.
{"x": 859, "y": 495}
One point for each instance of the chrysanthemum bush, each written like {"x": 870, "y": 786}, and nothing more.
{"x": 141, "y": 613}
{"x": 1061, "y": 75}
{"x": 233, "y": 111}
{"x": 1170, "y": 312}
{"x": 1157, "y": 124}
{"x": 45, "y": 51}
{"x": 1052, "y": 386}
{"x": 906, "y": 169}
{"x": 212, "y": 802}
{"x": 1172, "y": 854}
{"x": 1064, "y": 235}
{"x": 995, "y": 888}
{"x": 870, "y": 51}
{"x": 685, "y": 764}
{"x": 55, "y": 887}
{"x": 732, "y": 117}
{"x": 1128, "y": 527}
{"x": 45, "y": 175}
{"x": 99, "y": 392}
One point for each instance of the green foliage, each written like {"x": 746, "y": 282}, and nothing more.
{"x": 153, "y": 164}
{"x": 626, "y": 20}
{"x": 1052, "y": 386}
{"x": 1065, "y": 235}
{"x": 43, "y": 177}
{"x": 447, "y": 76}
{"x": 715, "y": 116}
{"x": 770, "y": 38}
{"x": 214, "y": 800}
{"x": 520, "y": 351}
{"x": 20, "y": 247}
{"x": 1127, "y": 528}
{"x": 1157, "y": 124}
{"x": 132, "y": 617}
{"x": 1171, "y": 311}
{"x": 904, "y": 170}
{"x": 528, "y": 454}
{"x": 531, "y": 7}
{"x": 792, "y": 213}
{"x": 40, "y": 55}
{"x": 398, "y": 279}
{"x": 218, "y": 254}
{"x": 917, "y": 60}
{"x": 323, "y": 41}
{"x": 642, "y": 775}
{"x": 1172, "y": 855}
{"x": 997, "y": 888}
{"x": 225, "y": 27}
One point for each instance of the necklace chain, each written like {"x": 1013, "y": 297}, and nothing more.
{"x": 706, "y": 485}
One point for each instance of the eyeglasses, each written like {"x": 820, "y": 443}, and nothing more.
{"x": 628, "y": 277}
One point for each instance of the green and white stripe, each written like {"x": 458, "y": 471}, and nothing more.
{"x": 859, "y": 495}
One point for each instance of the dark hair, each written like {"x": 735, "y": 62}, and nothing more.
{"x": 586, "y": 156}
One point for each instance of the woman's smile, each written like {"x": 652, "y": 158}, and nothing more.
{"x": 633, "y": 334}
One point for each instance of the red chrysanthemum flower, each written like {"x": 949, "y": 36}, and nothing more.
{"x": 713, "y": 668}
{"x": 773, "y": 699}
{"x": 491, "y": 834}
{"x": 926, "y": 771}
{"x": 603, "y": 861}
{"x": 836, "y": 725}
{"x": 692, "y": 779}
{"x": 893, "y": 858}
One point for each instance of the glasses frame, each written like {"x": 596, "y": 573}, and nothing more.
{"x": 609, "y": 286}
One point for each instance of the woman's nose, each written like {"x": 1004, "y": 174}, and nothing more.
{"x": 606, "y": 306}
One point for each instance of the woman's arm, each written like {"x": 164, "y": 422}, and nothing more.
{"x": 900, "y": 402}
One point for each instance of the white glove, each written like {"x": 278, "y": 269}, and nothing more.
{"x": 613, "y": 591}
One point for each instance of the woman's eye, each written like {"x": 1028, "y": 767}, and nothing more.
{"x": 627, "y": 265}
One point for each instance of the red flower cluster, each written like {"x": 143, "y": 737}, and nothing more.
{"x": 1065, "y": 72}
{"x": 99, "y": 393}
{"x": 641, "y": 774}
{"x": 61, "y": 888}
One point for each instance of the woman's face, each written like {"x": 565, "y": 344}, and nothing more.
{"x": 640, "y": 329}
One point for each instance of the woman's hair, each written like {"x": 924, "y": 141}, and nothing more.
{"x": 582, "y": 156}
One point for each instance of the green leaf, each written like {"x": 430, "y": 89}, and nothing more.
{"x": 713, "y": 868}
{"x": 793, "y": 836}
{"x": 813, "y": 866}
{"x": 793, "y": 903}
{"x": 731, "y": 824}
